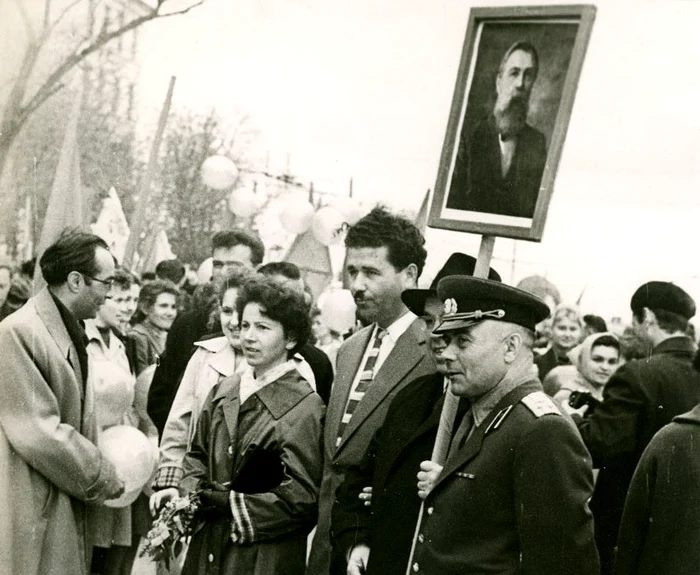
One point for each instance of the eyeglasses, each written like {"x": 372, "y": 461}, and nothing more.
{"x": 108, "y": 282}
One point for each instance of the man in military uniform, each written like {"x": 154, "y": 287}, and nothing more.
{"x": 641, "y": 397}
{"x": 512, "y": 496}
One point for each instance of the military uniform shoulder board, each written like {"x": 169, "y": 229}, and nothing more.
{"x": 496, "y": 421}
{"x": 539, "y": 403}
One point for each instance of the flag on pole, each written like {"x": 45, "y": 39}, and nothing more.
{"x": 156, "y": 248}
{"x": 111, "y": 225}
{"x": 422, "y": 217}
{"x": 66, "y": 207}
{"x": 314, "y": 261}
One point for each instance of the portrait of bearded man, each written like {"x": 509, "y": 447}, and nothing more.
{"x": 499, "y": 166}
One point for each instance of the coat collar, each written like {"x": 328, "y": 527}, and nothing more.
{"x": 222, "y": 356}
{"x": 678, "y": 344}
{"x": 48, "y": 312}
{"x": 472, "y": 447}
{"x": 692, "y": 416}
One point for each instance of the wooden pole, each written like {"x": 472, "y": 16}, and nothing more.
{"x": 449, "y": 407}
{"x": 145, "y": 186}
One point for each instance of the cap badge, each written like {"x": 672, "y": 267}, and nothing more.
{"x": 450, "y": 306}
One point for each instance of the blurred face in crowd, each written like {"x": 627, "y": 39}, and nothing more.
{"x": 5, "y": 278}
{"x": 320, "y": 329}
{"x": 229, "y": 317}
{"x": 376, "y": 285}
{"x": 603, "y": 363}
{"x": 263, "y": 340}
{"x": 296, "y": 286}
{"x": 513, "y": 87}
{"x": 475, "y": 358}
{"x": 432, "y": 313}
{"x": 163, "y": 311}
{"x": 114, "y": 313}
{"x": 94, "y": 290}
{"x": 225, "y": 260}
{"x": 566, "y": 333}
{"x": 133, "y": 299}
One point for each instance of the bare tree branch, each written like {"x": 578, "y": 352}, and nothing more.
{"x": 48, "y": 28}
{"x": 27, "y": 21}
{"x": 47, "y": 88}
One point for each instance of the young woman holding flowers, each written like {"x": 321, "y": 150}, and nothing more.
{"x": 256, "y": 457}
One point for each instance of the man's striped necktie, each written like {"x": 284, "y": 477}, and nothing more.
{"x": 365, "y": 379}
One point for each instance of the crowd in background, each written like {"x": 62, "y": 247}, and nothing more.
{"x": 166, "y": 356}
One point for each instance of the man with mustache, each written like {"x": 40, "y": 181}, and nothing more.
{"x": 499, "y": 167}
{"x": 385, "y": 256}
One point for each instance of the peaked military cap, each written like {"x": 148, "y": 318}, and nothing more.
{"x": 469, "y": 300}
{"x": 457, "y": 264}
{"x": 665, "y": 296}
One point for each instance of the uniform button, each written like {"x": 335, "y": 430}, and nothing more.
{"x": 416, "y": 568}
{"x": 421, "y": 538}
{"x": 430, "y": 510}
{"x": 230, "y": 449}
{"x": 211, "y": 558}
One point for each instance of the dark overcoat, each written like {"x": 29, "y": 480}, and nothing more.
{"x": 408, "y": 360}
{"x": 404, "y": 440}
{"x": 660, "y": 529}
{"x": 285, "y": 417}
{"x": 514, "y": 498}
{"x": 641, "y": 397}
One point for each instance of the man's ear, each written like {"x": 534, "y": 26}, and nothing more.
{"x": 74, "y": 281}
{"x": 512, "y": 344}
{"x": 291, "y": 344}
{"x": 410, "y": 276}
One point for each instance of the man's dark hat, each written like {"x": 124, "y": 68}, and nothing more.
{"x": 665, "y": 296}
{"x": 469, "y": 300}
{"x": 458, "y": 264}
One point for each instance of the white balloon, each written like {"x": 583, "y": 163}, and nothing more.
{"x": 338, "y": 310}
{"x": 133, "y": 457}
{"x": 205, "y": 271}
{"x": 296, "y": 216}
{"x": 219, "y": 172}
{"x": 327, "y": 225}
{"x": 243, "y": 202}
{"x": 350, "y": 208}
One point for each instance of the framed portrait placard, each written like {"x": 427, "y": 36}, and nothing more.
{"x": 510, "y": 111}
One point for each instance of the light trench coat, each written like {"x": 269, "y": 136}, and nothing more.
{"x": 50, "y": 467}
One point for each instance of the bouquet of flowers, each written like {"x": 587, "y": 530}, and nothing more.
{"x": 172, "y": 527}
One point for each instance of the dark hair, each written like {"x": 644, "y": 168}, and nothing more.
{"x": 668, "y": 321}
{"x": 210, "y": 296}
{"x": 595, "y": 322}
{"x": 280, "y": 304}
{"x": 606, "y": 341}
{"x": 27, "y": 268}
{"x": 151, "y": 290}
{"x": 235, "y": 238}
{"x": 123, "y": 279}
{"x": 233, "y": 279}
{"x": 285, "y": 269}
{"x": 173, "y": 270}
{"x": 148, "y": 276}
{"x": 523, "y": 47}
{"x": 74, "y": 250}
{"x": 403, "y": 240}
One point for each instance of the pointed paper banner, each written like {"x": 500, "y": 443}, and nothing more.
{"x": 111, "y": 225}
{"x": 314, "y": 261}
{"x": 66, "y": 205}
{"x": 156, "y": 248}
{"x": 422, "y": 217}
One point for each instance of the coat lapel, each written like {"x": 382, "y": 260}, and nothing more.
{"x": 472, "y": 447}
{"x": 408, "y": 351}
{"x": 48, "y": 312}
{"x": 349, "y": 358}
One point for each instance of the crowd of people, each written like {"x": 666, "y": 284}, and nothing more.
{"x": 572, "y": 449}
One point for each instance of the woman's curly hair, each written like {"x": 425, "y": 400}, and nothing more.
{"x": 279, "y": 303}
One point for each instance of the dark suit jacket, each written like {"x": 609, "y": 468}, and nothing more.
{"x": 190, "y": 327}
{"x": 477, "y": 183}
{"x": 641, "y": 397}
{"x": 513, "y": 499}
{"x": 405, "y": 439}
{"x": 408, "y": 360}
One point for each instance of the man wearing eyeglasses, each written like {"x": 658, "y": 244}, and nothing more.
{"x": 50, "y": 467}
